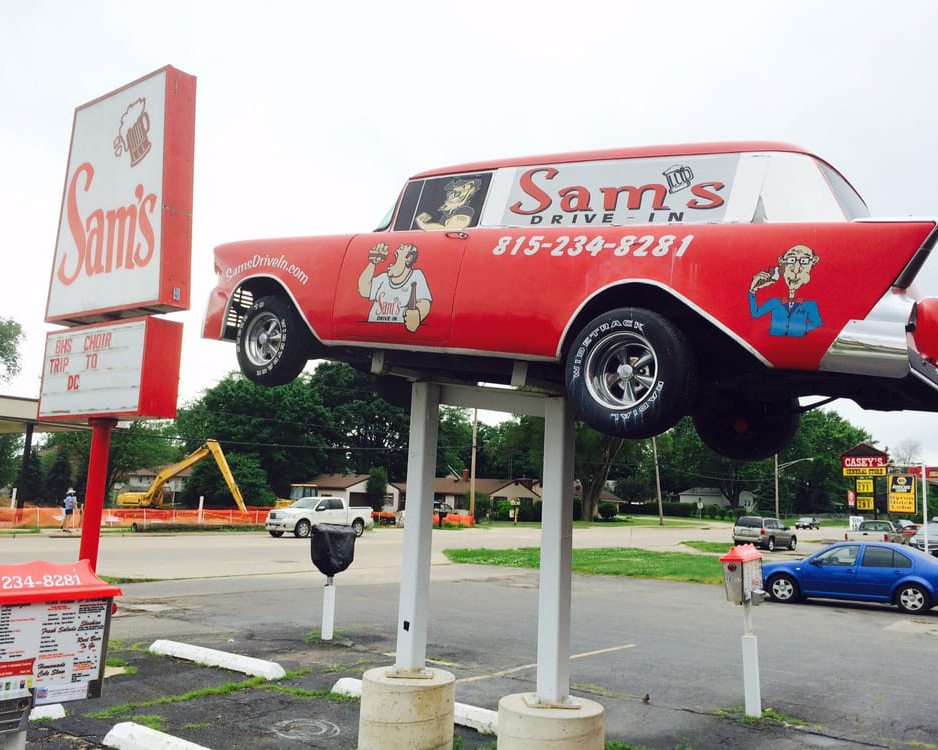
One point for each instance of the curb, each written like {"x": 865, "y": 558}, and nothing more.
{"x": 130, "y": 736}
{"x": 269, "y": 670}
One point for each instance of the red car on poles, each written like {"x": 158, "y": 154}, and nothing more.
{"x": 722, "y": 281}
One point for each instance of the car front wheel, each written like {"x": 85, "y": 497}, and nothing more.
{"x": 631, "y": 373}
{"x": 273, "y": 343}
{"x": 912, "y": 598}
{"x": 302, "y": 529}
{"x": 783, "y": 588}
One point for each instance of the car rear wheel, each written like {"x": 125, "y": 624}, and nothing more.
{"x": 912, "y": 598}
{"x": 793, "y": 542}
{"x": 770, "y": 544}
{"x": 302, "y": 529}
{"x": 747, "y": 430}
{"x": 276, "y": 534}
{"x": 358, "y": 526}
{"x": 273, "y": 343}
{"x": 783, "y": 588}
{"x": 631, "y": 373}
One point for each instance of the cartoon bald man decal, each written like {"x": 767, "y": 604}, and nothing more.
{"x": 792, "y": 315}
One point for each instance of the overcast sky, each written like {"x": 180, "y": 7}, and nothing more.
{"x": 310, "y": 116}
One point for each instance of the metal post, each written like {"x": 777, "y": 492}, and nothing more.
{"x": 472, "y": 470}
{"x": 94, "y": 490}
{"x": 328, "y": 609}
{"x": 553, "y": 619}
{"x": 776, "y": 486}
{"x": 751, "y": 687}
{"x": 654, "y": 447}
{"x": 14, "y": 741}
{"x": 413, "y": 611}
{"x": 925, "y": 507}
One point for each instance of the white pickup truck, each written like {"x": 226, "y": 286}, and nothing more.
{"x": 876, "y": 531}
{"x": 301, "y": 516}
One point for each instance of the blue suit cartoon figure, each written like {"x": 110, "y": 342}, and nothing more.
{"x": 792, "y": 315}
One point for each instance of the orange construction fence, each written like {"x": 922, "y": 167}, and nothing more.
{"x": 44, "y": 516}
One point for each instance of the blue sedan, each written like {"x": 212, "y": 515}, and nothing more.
{"x": 863, "y": 571}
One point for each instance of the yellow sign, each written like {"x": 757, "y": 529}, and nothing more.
{"x": 864, "y": 503}
{"x": 865, "y": 471}
{"x": 865, "y": 486}
{"x": 901, "y": 493}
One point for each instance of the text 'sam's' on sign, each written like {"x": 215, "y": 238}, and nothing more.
{"x": 901, "y": 493}
{"x": 124, "y": 238}
{"x": 127, "y": 369}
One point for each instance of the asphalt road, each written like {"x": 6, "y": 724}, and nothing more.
{"x": 856, "y": 675}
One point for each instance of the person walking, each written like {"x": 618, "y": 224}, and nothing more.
{"x": 70, "y": 503}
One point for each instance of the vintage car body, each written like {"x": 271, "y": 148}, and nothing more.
{"x": 723, "y": 281}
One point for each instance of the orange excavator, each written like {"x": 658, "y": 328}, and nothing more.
{"x": 153, "y": 497}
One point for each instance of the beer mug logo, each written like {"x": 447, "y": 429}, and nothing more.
{"x": 132, "y": 136}
{"x": 678, "y": 178}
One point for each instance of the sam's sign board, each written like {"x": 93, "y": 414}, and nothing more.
{"x": 124, "y": 238}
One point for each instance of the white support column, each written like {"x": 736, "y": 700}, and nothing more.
{"x": 413, "y": 612}
{"x": 553, "y": 631}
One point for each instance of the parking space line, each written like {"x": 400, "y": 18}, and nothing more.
{"x": 505, "y": 672}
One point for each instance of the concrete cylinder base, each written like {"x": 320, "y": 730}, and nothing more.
{"x": 521, "y": 727}
{"x": 406, "y": 713}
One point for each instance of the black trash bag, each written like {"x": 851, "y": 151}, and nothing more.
{"x": 332, "y": 548}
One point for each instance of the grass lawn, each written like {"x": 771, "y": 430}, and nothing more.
{"x": 608, "y": 561}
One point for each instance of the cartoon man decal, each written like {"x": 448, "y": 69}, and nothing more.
{"x": 791, "y": 315}
{"x": 455, "y": 213}
{"x": 401, "y": 293}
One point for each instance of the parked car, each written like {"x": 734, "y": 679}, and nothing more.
{"x": 807, "y": 523}
{"x": 645, "y": 284}
{"x": 302, "y": 515}
{"x": 763, "y": 532}
{"x": 918, "y": 539}
{"x": 876, "y": 531}
{"x": 862, "y": 571}
{"x": 906, "y": 528}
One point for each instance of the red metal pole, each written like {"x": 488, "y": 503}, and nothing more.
{"x": 94, "y": 490}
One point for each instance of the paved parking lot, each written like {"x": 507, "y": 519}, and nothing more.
{"x": 662, "y": 658}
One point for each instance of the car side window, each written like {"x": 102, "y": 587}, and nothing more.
{"x": 770, "y": 524}
{"x": 877, "y": 557}
{"x": 900, "y": 561}
{"x": 843, "y": 556}
{"x": 448, "y": 203}
{"x": 335, "y": 504}
{"x": 322, "y": 506}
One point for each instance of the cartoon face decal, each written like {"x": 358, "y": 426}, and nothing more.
{"x": 455, "y": 212}
{"x": 400, "y": 294}
{"x": 791, "y": 315}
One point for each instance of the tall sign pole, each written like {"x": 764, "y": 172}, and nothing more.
{"x": 122, "y": 256}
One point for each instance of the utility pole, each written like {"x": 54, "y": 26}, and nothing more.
{"x": 776, "y": 486}
{"x": 654, "y": 447}
{"x": 472, "y": 469}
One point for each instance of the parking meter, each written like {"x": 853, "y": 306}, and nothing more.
{"x": 332, "y": 549}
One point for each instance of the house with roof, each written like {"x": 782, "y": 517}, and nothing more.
{"x": 714, "y": 496}
{"x": 351, "y": 487}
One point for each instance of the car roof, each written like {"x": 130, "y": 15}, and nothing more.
{"x": 683, "y": 149}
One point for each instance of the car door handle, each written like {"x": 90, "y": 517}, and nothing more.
{"x": 456, "y": 235}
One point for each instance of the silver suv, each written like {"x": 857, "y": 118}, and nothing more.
{"x": 763, "y": 532}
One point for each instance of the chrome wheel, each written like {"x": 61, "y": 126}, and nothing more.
{"x": 263, "y": 339}
{"x": 621, "y": 371}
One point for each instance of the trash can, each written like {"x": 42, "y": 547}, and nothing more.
{"x": 332, "y": 548}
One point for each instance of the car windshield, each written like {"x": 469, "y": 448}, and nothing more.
{"x": 305, "y": 502}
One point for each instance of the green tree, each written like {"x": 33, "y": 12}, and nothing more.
{"x": 286, "y": 429}
{"x": 11, "y": 339}
{"x": 363, "y": 430}
{"x": 145, "y": 444}
{"x": 454, "y": 441}
{"x": 59, "y": 476}
{"x": 377, "y": 487}
{"x": 207, "y": 481}
{"x": 595, "y": 454}
{"x": 11, "y": 458}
